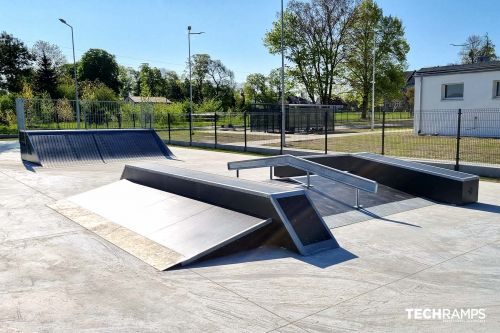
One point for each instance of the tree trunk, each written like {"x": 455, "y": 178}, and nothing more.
{"x": 364, "y": 106}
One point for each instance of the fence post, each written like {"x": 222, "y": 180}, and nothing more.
{"x": 133, "y": 118}
{"x": 457, "y": 158}
{"x": 383, "y": 131}
{"x": 168, "y": 123}
{"x": 326, "y": 132}
{"x": 245, "y": 128}
{"x": 215, "y": 126}
{"x": 21, "y": 116}
{"x": 333, "y": 119}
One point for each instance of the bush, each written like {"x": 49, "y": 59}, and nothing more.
{"x": 7, "y": 110}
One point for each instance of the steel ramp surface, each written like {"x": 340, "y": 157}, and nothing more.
{"x": 160, "y": 228}
{"x": 64, "y": 147}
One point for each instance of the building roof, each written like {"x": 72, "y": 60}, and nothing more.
{"x": 140, "y": 99}
{"x": 410, "y": 78}
{"x": 467, "y": 68}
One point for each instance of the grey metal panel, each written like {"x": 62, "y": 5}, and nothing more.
{"x": 188, "y": 227}
{"x": 209, "y": 178}
{"x": 433, "y": 170}
{"x": 308, "y": 166}
{"x": 303, "y": 218}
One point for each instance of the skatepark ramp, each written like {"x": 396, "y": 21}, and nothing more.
{"x": 411, "y": 177}
{"x": 171, "y": 217}
{"x": 63, "y": 147}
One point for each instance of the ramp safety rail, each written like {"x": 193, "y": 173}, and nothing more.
{"x": 343, "y": 177}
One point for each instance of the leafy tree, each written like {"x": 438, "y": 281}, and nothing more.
{"x": 45, "y": 78}
{"x": 199, "y": 72}
{"x": 99, "y": 65}
{"x": 220, "y": 76}
{"x": 128, "y": 78}
{"x": 274, "y": 83}
{"x": 97, "y": 91}
{"x": 371, "y": 32}
{"x": 151, "y": 82}
{"x": 256, "y": 89}
{"x": 173, "y": 86}
{"x": 315, "y": 42}
{"x": 15, "y": 60}
{"x": 53, "y": 53}
{"x": 477, "y": 47}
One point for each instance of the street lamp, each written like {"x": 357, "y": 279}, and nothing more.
{"x": 373, "y": 81}
{"x": 282, "y": 84}
{"x": 74, "y": 70}
{"x": 191, "y": 85}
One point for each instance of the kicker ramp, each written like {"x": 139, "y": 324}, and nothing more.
{"x": 418, "y": 179}
{"x": 171, "y": 217}
{"x": 295, "y": 222}
{"x": 63, "y": 147}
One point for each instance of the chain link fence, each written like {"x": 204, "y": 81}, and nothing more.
{"x": 459, "y": 136}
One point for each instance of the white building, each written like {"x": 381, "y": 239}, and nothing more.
{"x": 441, "y": 91}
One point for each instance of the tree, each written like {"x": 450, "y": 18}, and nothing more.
{"x": 45, "y": 78}
{"x": 219, "y": 75}
{"x": 199, "y": 69}
{"x": 256, "y": 89}
{"x": 151, "y": 81}
{"x": 53, "y": 53}
{"x": 129, "y": 81}
{"x": 99, "y": 65}
{"x": 173, "y": 86}
{"x": 315, "y": 40}
{"x": 476, "y": 48}
{"x": 372, "y": 32}
{"x": 15, "y": 60}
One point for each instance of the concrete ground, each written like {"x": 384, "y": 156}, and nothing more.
{"x": 56, "y": 276}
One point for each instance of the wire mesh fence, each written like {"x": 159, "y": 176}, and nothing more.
{"x": 460, "y": 136}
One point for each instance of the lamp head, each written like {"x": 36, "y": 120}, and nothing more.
{"x": 63, "y": 21}
{"x": 189, "y": 28}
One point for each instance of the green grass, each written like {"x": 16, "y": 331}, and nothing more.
{"x": 209, "y": 136}
{"x": 406, "y": 144}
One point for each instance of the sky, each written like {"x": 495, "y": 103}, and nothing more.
{"x": 155, "y": 31}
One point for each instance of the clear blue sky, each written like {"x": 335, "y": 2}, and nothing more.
{"x": 154, "y": 31}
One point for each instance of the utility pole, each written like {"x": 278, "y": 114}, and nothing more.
{"x": 191, "y": 85}
{"x": 74, "y": 70}
{"x": 283, "y": 122}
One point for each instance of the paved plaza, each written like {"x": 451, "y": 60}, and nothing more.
{"x": 55, "y": 276}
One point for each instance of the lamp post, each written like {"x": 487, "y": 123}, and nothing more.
{"x": 282, "y": 83}
{"x": 373, "y": 80}
{"x": 191, "y": 85}
{"x": 74, "y": 70}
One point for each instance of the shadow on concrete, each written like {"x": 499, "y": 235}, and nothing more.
{"x": 375, "y": 216}
{"x": 323, "y": 259}
{"x": 483, "y": 207}
{"x": 29, "y": 166}
{"x": 8, "y": 145}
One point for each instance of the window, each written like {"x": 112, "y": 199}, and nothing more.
{"x": 496, "y": 89}
{"x": 453, "y": 91}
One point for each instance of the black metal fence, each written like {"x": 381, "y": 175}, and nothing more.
{"x": 460, "y": 136}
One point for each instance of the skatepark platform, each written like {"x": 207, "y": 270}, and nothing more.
{"x": 65, "y": 147}
{"x": 169, "y": 216}
{"x": 418, "y": 179}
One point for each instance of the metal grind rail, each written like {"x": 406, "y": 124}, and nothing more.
{"x": 343, "y": 177}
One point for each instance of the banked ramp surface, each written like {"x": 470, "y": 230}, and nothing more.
{"x": 169, "y": 216}
{"x": 63, "y": 147}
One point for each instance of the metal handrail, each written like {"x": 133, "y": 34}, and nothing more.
{"x": 344, "y": 177}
